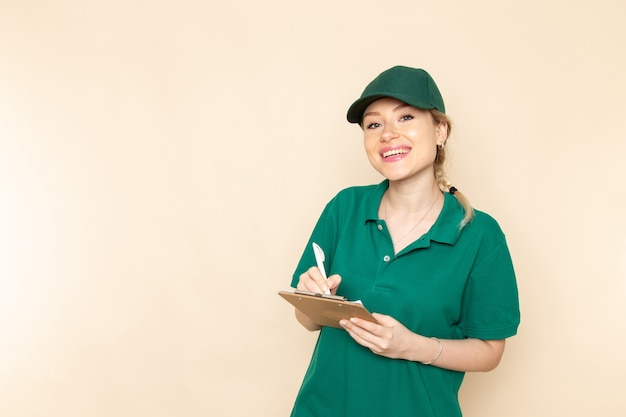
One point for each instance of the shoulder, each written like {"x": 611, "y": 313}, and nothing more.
{"x": 356, "y": 192}
{"x": 484, "y": 222}
{"x": 481, "y": 222}
{"x": 357, "y": 201}
{"x": 360, "y": 194}
{"x": 485, "y": 235}
{"x": 449, "y": 228}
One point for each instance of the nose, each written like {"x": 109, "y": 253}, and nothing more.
{"x": 388, "y": 133}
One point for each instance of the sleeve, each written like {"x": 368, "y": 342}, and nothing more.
{"x": 324, "y": 234}
{"x": 490, "y": 309}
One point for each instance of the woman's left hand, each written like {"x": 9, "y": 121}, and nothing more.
{"x": 391, "y": 339}
{"x": 388, "y": 337}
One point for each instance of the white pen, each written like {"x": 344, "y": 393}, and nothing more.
{"x": 320, "y": 258}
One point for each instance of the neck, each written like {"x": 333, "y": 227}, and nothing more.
{"x": 402, "y": 223}
{"x": 410, "y": 198}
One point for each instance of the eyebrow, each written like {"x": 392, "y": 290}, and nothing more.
{"x": 398, "y": 107}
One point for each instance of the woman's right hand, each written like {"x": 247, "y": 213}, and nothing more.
{"x": 313, "y": 281}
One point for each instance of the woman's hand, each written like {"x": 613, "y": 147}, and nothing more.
{"x": 387, "y": 338}
{"x": 391, "y": 339}
{"x": 313, "y": 281}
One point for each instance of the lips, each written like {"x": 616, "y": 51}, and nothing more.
{"x": 394, "y": 152}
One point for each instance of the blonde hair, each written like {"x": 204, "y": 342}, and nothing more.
{"x": 440, "y": 175}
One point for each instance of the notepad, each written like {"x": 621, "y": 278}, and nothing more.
{"x": 326, "y": 310}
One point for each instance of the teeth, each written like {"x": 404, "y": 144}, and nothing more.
{"x": 394, "y": 152}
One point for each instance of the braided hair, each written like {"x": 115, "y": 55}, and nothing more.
{"x": 440, "y": 175}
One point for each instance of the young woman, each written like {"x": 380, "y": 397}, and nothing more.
{"x": 437, "y": 273}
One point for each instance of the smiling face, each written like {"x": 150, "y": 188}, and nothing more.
{"x": 401, "y": 140}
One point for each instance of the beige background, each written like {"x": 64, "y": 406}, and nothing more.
{"x": 163, "y": 162}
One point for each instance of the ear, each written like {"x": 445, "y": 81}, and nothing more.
{"x": 442, "y": 132}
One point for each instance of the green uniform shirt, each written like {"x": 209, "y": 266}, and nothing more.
{"x": 451, "y": 283}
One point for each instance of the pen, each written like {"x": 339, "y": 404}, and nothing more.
{"x": 319, "y": 258}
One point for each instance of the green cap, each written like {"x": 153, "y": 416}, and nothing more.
{"x": 412, "y": 86}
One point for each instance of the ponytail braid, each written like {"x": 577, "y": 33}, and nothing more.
{"x": 440, "y": 175}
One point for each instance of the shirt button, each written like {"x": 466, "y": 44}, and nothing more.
{"x": 386, "y": 258}
{"x": 380, "y": 227}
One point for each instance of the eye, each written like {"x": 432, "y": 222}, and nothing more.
{"x": 406, "y": 118}
{"x": 373, "y": 125}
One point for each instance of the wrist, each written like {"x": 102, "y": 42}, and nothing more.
{"x": 435, "y": 352}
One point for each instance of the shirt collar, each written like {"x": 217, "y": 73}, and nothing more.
{"x": 446, "y": 228}
{"x": 372, "y": 203}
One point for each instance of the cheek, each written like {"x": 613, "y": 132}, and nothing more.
{"x": 372, "y": 155}
{"x": 426, "y": 148}
{"x": 369, "y": 144}
{"x": 423, "y": 137}
{"x": 371, "y": 151}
